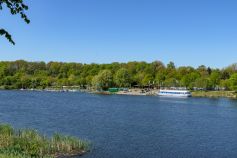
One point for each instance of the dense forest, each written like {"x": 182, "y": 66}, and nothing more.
{"x": 22, "y": 74}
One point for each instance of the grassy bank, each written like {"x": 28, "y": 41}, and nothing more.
{"x": 228, "y": 94}
{"x": 29, "y": 143}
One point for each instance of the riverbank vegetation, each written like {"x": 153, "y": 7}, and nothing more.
{"x": 39, "y": 75}
{"x": 227, "y": 94}
{"x": 29, "y": 143}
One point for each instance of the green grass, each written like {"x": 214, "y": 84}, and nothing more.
{"x": 9, "y": 156}
{"x": 28, "y": 143}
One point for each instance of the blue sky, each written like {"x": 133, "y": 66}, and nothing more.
{"x": 188, "y": 32}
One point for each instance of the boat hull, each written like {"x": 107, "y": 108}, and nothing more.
{"x": 174, "y": 93}
{"x": 170, "y": 95}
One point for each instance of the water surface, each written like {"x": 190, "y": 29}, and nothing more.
{"x": 130, "y": 126}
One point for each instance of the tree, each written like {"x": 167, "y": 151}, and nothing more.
{"x": 209, "y": 70}
{"x": 138, "y": 79}
{"x": 23, "y": 74}
{"x": 203, "y": 71}
{"x": 189, "y": 79}
{"x": 160, "y": 78}
{"x": 225, "y": 84}
{"x": 171, "y": 82}
{"x": 54, "y": 69}
{"x": 103, "y": 80}
{"x": 15, "y": 7}
{"x": 201, "y": 83}
{"x": 96, "y": 83}
{"x": 156, "y": 67}
{"x": 72, "y": 80}
{"x": 147, "y": 80}
{"x": 215, "y": 78}
{"x": 225, "y": 75}
{"x": 171, "y": 65}
{"x": 24, "y": 82}
{"x": 232, "y": 68}
{"x": 233, "y": 82}
{"x": 122, "y": 78}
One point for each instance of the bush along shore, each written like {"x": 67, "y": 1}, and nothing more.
{"x": 216, "y": 94}
{"x": 26, "y": 143}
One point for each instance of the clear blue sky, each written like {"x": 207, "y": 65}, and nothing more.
{"x": 188, "y": 32}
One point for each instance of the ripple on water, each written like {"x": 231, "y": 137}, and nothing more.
{"x": 130, "y": 126}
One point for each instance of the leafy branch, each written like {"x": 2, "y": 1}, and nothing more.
{"x": 15, "y": 7}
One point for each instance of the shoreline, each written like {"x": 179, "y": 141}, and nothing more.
{"x": 139, "y": 92}
{"x": 195, "y": 94}
{"x": 215, "y": 94}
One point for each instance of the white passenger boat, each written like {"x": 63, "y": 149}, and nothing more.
{"x": 175, "y": 93}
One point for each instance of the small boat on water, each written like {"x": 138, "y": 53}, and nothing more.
{"x": 175, "y": 93}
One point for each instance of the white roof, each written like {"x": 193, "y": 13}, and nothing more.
{"x": 174, "y": 91}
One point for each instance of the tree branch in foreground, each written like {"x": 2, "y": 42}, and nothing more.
{"x": 15, "y": 7}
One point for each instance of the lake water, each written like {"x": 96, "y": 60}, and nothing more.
{"x": 130, "y": 126}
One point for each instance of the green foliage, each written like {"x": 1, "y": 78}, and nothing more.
{"x": 201, "y": 83}
{"x": 171, "y": 82}
{"x": 147, "y": 80}
{"x": 21, "y": 74}
{"x": 171, "y": 65}
{"x": 15, "y": 7}
{"x": 188, "y": 79}
{"x": 160, "y": 78}
{"x": 122, "y": 78}
{"x": 215, "y": 78}
{"x": 29, "y": 143}
{"x": 103, "y": 80}
{"x": 233, "y": 82}
{"x": 3, "y": 32}
{"x": 216, "y": 94}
